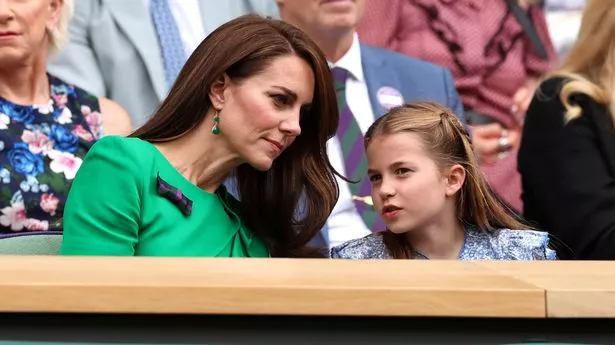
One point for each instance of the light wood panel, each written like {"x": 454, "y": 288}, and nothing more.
{"x": 573, "y": 288}
{"x": 263, "y": 287}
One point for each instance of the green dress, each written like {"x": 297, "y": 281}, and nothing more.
{"x": 127, "y": 199}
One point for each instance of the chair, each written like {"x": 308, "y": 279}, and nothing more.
{"x": 39, "y": 243}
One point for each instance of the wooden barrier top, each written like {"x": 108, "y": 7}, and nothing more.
{"x": 44, "y": 284}
{"x": 572, "y": 288}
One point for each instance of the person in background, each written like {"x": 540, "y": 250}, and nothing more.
{"x": 563, "y": 19}
{"x": 46, "y": 125}
{"x": 369, "y": 81}
{"x": 496, "y": 62}
{"x": 567, "y": 156}
{"x": 428, "y": 188}
{"x": 132, "y": 50}
{"x": 255, "y": 102}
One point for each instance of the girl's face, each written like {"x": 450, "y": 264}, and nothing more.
{"x": 409, "y": 190}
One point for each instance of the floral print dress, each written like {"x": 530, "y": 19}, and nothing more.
{"x": 41, "y": 149}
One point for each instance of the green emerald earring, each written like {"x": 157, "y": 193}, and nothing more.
{"x": 215, "y": 129}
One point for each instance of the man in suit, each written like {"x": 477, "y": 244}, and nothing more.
{"x": 130, "y": 51}
{"x": 369, "y": 81}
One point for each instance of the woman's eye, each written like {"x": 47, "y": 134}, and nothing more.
{"x": 280, "y": 100}
{"x": 374, "y": 178}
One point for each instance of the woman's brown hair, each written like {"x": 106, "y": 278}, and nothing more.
{"x": 270, "y": 200}
{"x": 447, "y": 140}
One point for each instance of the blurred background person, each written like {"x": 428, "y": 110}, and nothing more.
{"x": 369, "y": 82}
{"x": 496, "y": 49}
{"x": 563, "y": 19}
{"x": 132, "y": 50}
{"x": 567, "y": 156}
{"x": 46, "y": 125}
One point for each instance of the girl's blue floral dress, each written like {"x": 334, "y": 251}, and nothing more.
{"x": 501, "y": 244}
{"x": 41, "y": 149}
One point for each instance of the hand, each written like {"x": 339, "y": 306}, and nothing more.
{"x": 486, "y": 140}
{"x": 523, "y": 97}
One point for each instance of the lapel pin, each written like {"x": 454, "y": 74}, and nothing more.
{"x": 174, "y": 195}
{"x": 389, "y": 97}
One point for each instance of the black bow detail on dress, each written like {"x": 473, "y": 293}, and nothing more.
{"x": 175, "y": 195}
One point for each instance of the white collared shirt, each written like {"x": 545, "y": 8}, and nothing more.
{"x": 187, "y": 15}
{"x": 345, "y": 223}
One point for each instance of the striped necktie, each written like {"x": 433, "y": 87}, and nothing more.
{"x": 169, "y": 39}
{"x": 351, "y": 140}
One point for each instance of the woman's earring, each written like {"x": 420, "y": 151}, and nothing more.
{"x": 215, "y": 129}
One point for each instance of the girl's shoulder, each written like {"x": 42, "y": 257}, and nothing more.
{"x": 369, "y": 247}
{"x": 520, "y": 244}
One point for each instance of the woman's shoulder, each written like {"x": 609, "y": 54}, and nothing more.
{"x": 116, "y": 120}
{"x": 369, "y": 247}
{"x": 130, "y": 149}
{"x": 70, "y": 89}
{"x": 122, "y": 143}
{"x": 546, "y": 115}
{"x": 77, "y": 99}
{"x": 552, "y": 86}
{"x": 550, "y": 89}
{"x": 523, "y": 244}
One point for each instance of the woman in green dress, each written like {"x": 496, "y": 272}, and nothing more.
{"x": 254, "y": 104}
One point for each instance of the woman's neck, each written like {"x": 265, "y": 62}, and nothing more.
{"x": 442, "y": 239}
{"x": 25, "y": 84}
{"x": 201, "y": 157}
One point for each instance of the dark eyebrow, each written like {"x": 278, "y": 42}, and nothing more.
{"x": 293, "y": 96}
{"x": 290, "y": 93}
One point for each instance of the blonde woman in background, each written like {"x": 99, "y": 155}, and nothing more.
{"x": 567, "y": 156}
{"x": 46, "y": 125}
{"x": 564, "y": 19}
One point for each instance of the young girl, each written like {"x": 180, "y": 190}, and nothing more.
{"x": 428, "y": 189}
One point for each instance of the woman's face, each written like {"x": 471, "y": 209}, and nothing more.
{"x": 23, "y": 28}
{"x": 260, "y": 115}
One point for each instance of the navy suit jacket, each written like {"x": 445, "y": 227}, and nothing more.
{"x": 416, "y": 80}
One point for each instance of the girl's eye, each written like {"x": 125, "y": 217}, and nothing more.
{"x": 374, "y": 178}
{"x": 402, "y": 171}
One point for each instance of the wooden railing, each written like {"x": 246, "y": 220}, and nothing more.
{"x": 306, "y": 287}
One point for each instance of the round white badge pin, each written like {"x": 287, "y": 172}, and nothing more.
{"x": 389, "y": 97}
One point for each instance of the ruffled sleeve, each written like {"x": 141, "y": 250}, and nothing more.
{"x": 369, "y": 247}
{"x": 524, "y": 245}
